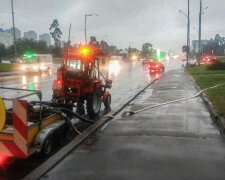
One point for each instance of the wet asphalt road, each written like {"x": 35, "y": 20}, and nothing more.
{"x": 131, "y": 78}
{"x": 176, "y": 141}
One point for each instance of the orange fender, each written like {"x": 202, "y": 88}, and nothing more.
{"x": 105, "y": 96}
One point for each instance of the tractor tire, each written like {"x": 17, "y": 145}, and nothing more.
{"x": 80, "y": 108}
{"x": 93, "y": 104}
{"x": 48, "y": 146}
{"x": 107, "y": 102}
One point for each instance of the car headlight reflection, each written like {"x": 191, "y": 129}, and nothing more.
{"x": 114, "y": 67}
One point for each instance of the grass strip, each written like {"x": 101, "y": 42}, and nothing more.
{"x": 7, "y": 67}
{"x": 208, "y": 78}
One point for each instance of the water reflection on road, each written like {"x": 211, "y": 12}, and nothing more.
{"x": 127, "y": 78}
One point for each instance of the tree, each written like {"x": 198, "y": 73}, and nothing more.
{"x": 217, "y": 38}
{"x": 56, "y": 32}
{"x": 147, "y": 50}
{"x": 104, "y": 45}
{"x": 3, "y": 52}
{"x": 113, "y": 50}
{"x": 56, "y": 51}
{"x": 28, "y": 45}
{"x": 215, "y": 46}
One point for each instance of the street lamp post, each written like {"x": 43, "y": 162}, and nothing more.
{"x": 200, "y": 29}
{"x": 14, "y": 33}
{"x": 188, "y": 28}
{"x": 85, "y": 24}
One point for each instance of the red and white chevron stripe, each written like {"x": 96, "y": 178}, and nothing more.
{"x": 18, "y": 148}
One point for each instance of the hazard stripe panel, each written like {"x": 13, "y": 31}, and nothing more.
{"x": 14, "y": 150}
{"x": 4, "y": 150}
{"x": 18, "y": 148}
{"x": 20, "y": 126}
{"x": 20, "y": 110}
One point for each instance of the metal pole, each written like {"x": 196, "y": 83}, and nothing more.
{"x": 200, "y": 30}
{"x": 68, "y": 44}
{"x": 14, "y": 33}
{"x": 85, "y": 31}
{"x": 188, "y": 31}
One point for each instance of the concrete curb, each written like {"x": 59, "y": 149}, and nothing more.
{"x": 64, "y": 151}
{"x": 218, "y": 120}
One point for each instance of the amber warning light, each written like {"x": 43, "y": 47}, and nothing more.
{"x": 85, "y": 51}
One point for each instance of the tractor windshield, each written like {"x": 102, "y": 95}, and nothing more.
{"x": 74, "y": 65}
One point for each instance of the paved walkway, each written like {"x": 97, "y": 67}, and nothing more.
{"x": 176, "y": 141}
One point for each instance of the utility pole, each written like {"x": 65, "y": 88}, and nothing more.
{"x": 188, "y": 31}
{"x": 14, "y": 33}
{"x": 85, "y": 30}
{"x": 68, "y": 43}
{"x": 200, "y": 30}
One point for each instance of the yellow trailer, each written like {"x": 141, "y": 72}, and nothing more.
{"x": 25, "y": 129}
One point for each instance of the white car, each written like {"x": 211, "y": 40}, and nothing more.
{"x": 190, "y": 61}
{"x": 37, "y": 63}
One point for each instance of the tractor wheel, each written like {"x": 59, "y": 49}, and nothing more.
{"x": 93, "y": 104}
{"x": 108, "y": 101}
{"x": 80, "y": 108}
{"x": 48, "y": 146}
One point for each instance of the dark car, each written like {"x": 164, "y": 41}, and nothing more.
{"x": 207, "y": 59}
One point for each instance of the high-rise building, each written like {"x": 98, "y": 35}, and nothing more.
{"x": 46, "y": 38}
{"x": 6, "y": 38}
{"x": 17, "y": 32}
{"x": 30, "y": 35}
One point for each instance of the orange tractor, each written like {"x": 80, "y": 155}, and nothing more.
{"x": 79, "y": 79}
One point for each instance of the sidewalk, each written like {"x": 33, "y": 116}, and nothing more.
{"x": 176, "y": 141}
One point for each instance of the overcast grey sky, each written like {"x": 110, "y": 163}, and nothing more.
{"x": 120, "y": 22}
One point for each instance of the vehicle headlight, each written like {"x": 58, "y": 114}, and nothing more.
{"x": 134, "y": 57}
{"x": 43, "y": 67}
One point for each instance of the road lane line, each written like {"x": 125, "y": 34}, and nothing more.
{"x": 16, "y": 85}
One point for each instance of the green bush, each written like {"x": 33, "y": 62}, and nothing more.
{"x": 191, "y": 65}
{"x": 217, "y": 65}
